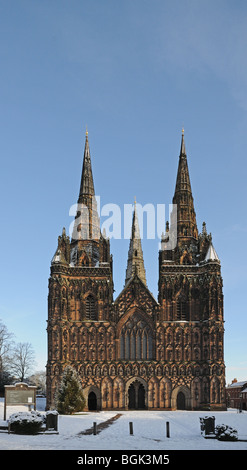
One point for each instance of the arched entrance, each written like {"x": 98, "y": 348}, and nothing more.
{"x": 181, "y": 398}
{"x": 136, "y": 396}
{"x": 180, "y": 401}
{"x": 92, "y": 401}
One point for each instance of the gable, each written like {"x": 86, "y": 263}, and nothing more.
{"x": 135, "y": 294}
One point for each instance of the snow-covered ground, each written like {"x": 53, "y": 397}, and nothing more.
{"x": 149, "y": 431}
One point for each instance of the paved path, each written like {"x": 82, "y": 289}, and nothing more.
{"x": 100, "y": 426}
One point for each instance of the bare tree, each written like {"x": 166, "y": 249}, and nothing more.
{"x": 23, "y": 360}
{"x": 38, "y": 378}
{"x": 6, "y": 343}
{"x": 6, "y": 351}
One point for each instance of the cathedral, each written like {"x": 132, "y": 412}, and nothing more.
{"x": 136, "y": 352}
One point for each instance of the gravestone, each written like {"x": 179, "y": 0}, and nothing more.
{"x": 52, "y": 420}
{"x": 208, "y": 426}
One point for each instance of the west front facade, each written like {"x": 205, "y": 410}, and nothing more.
{"x": 136, "y": 352}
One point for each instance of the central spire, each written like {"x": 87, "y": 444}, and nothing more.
{"x": 135, "y": 264}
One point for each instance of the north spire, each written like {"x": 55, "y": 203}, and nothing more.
{"x": 186, "y": 216}
{"x": 86, "y": 225}
{"x": 135, "y": 264}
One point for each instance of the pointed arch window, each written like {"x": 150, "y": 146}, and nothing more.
{"x": 127, "y": 345}
{"x": 133, "y": 347}
{"x": 150, "y": 346}
{"x": 122, "y": 348}
{"x": 90, "y": 308}
{"x": 139, "y": 346}
{"x": 144, "y": 346}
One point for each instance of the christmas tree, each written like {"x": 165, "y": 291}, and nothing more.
{"x": 69, "y": 396}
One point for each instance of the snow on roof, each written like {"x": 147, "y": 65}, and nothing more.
{"x": 238, "y": 384}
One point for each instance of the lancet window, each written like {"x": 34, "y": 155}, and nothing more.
{"x": 136, "y": 340}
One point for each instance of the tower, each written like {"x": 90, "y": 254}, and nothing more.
{"x": 80, "y": 288}
{"x": 191, "y": 306}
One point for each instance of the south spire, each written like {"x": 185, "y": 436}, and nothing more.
{"x": 87, "y": 183}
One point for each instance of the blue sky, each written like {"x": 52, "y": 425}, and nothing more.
{"x": 135, "y": 72}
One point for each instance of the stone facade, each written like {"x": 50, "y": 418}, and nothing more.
{"x": 135, "y": 352}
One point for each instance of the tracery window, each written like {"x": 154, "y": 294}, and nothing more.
{"x": 136, "y": 340}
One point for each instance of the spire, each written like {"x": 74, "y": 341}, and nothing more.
{"x": 183, "y": 178}
{"x": 135, "y": 264}
{"x": 186, "y": 217}
{"x": 86, "y": 226}
{"x": 87, "y": 185}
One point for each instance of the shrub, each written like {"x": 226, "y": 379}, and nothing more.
{"x": 26, "y": 422}
{"x": 226, "y": 433}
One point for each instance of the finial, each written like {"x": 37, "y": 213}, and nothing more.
{"x": 182, "y": 150}
{"x": 86, "y": 132}
{"x": 135, "y": 201}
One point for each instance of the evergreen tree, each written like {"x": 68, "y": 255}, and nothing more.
{"x": 69, "y": 396}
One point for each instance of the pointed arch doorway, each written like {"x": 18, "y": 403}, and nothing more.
{"x": 136, "y": 396}
{"x": 180, "y": 401}
{"x": 181, "y": 398}
{"x": 92, "y": 401}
